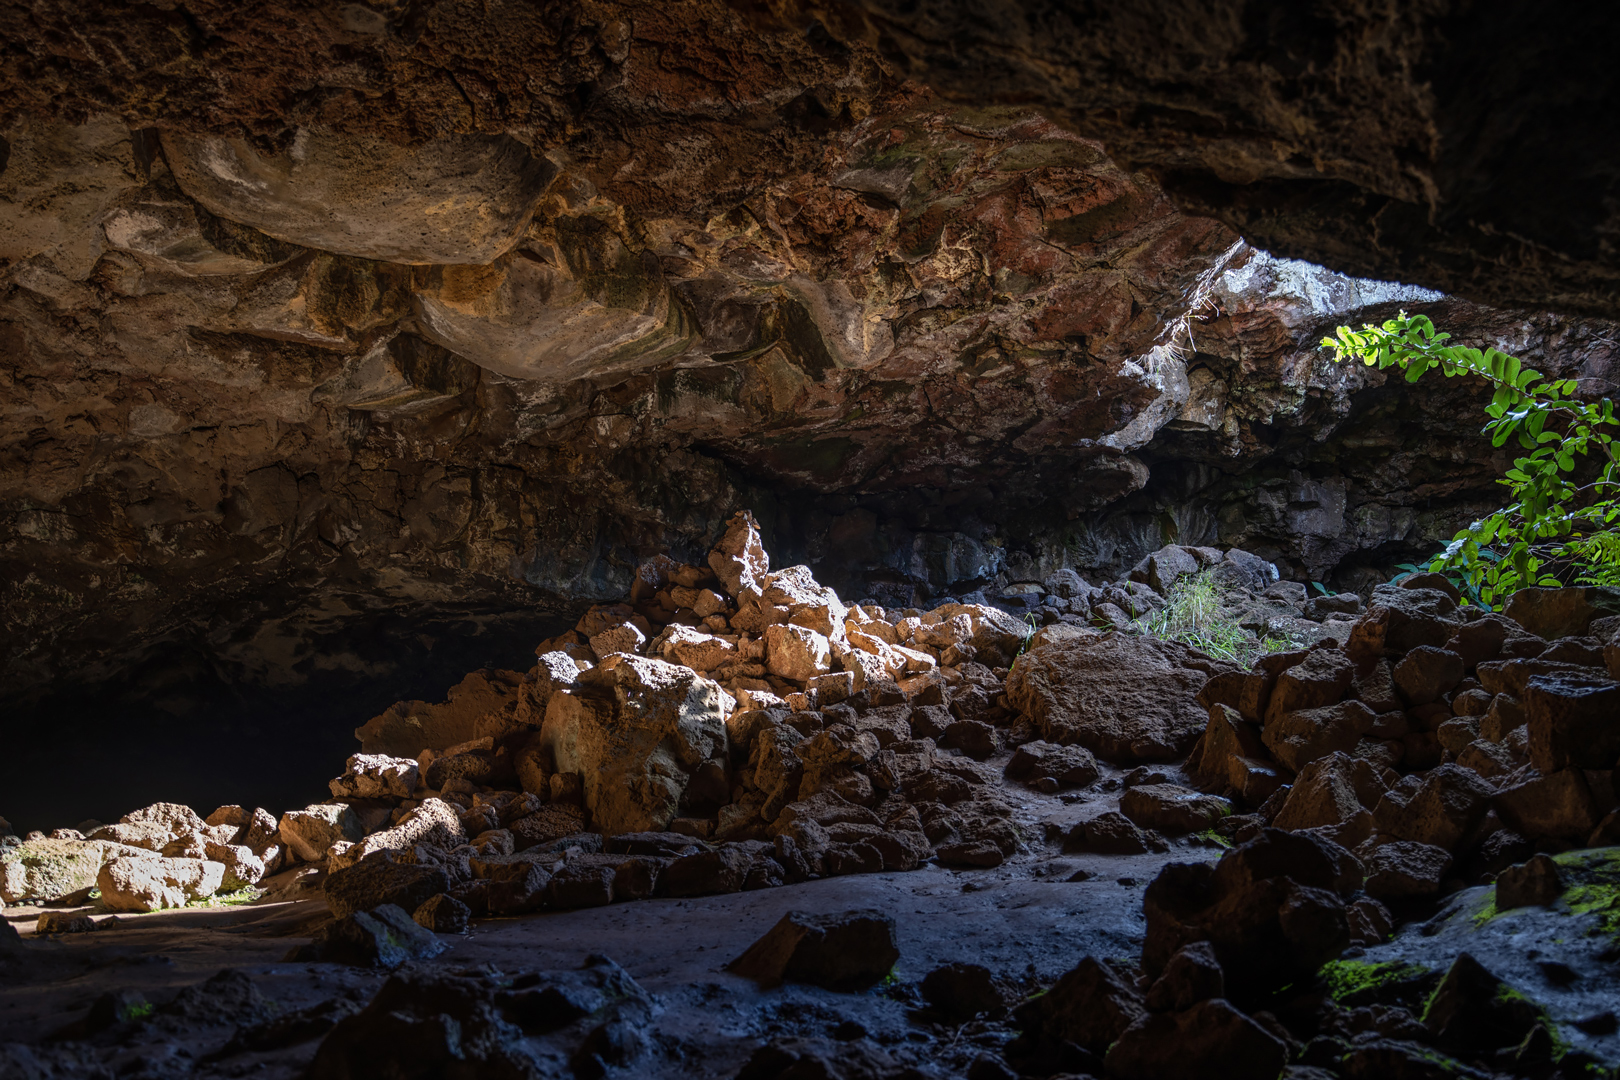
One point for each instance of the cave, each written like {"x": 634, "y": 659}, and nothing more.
{"x": 663, "y": 538}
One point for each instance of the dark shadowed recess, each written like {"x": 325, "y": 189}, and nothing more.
{"x": 181, "y": 726}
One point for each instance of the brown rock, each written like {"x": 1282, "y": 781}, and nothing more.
{"x": 1090, "y": 1006}
{"x": 848, "y": 950}
{"x": 1321, "y": 679}
{"x": 1480, "y": 640}
{"x": 1210, "y": 1041}
{"x": 1399, "y": 620}
{"x": 1557, "y": 613}
{"x": 1069, "y": 766}
{"x": 1111, "y": 833}
{"x": 1557, "y": 805}
{"x": 1172, "y": 809}
{"x": 1298, "y": 738}
{"x": 1536, "y": 881}
{"x": 1573, "y": 721}
{"x": 1231, "y": 757}
{"x": 635, "y": 731}
{"x": 1449, "y": 801}
{"x": 739, "y": 559}
{"x": 1125, "y": 697}
{"x": 1425, "y": 674}
{"x": 1192, "y": 975}
{"x": 1402, "y": 869}
{"x": 1330, "y": 791}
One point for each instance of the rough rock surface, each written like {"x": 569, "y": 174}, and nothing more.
{"x": 1124, "y": 697}
{"x": 317, "y": 314}
{"x": 635, "y": 731}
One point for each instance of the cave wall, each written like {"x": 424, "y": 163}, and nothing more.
{"x": 309, "y": 316}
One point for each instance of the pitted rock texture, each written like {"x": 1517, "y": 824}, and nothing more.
{"x": 315, "y": 315}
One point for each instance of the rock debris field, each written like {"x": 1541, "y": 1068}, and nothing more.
{"x": 738, "y": 827}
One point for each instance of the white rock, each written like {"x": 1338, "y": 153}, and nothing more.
{"x": 796, "y": 652}
{"x": 435, "y": 822}
{"x": 309, "y": 832}
{"x": 376, "y": 776}
{"x": 153, "y": 883}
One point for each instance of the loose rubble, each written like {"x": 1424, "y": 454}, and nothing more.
{"x": 728, "y": 729}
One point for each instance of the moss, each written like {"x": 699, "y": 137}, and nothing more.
{"x": 245, "y": 895}
{"x": 141, "y": 1010}
{"x": 1214, "y": 837}
{"x": 1348, "y": 977}
{"x": 1602, "y": 900}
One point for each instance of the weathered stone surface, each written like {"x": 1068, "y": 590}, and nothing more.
{"x": 480, "y": 702}
{"x": 364, "y": 197}
{"x": 1070, "y": 766}
{"x": 1534, "y": 881}
{"x": 848, "y": 950}
{"x": 1560, "y": 613}
{"x": 1321, "y": 679}
{"x": 1173, "y": 809}
{"x": 376, "y": 776}
{"x": 384, "y": 937}
{"x": 1124, "y": 697}
{"x": 1573, "y": 721}
{"x": 1090, "y": 1006}
{"x": 1447, "y": 803}
{"x": 1299, "y": 738}
{"x": 48, "y": 869}
{"x": 131, "y": 883}
{"x": 1330, "y": 791}
{"x": 1402, "y": 869}
{"x": 309, "y": 833}
{"x": 434, "y": 823}
{"x": 1399, "y": 620}
{"x": 1425, "y": 673}
{"x": 378, "y": 879}
{"x": 1555, "y": 805}
{"x": 1212, "y": 1039}
{"x": 635, "y": 730}
{"x": 796, "y": 653}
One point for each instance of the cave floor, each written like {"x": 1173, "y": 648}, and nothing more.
{"x": 1024, "y": 920}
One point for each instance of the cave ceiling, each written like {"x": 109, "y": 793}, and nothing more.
{"x": 313, "y": 310}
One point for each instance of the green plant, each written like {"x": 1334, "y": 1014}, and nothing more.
{"x": 1192, "y": 615}
{"x": 1561, "y": 524}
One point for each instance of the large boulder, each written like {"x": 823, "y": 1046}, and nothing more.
{"x": 309, "y": 833}
{"x": 1560, "y": 613}
{"x": 1399, "y": 620}
{"x": 1125, "y": 697}
{"x": 48, "y": 869}
{"x": 1574, "y": 721}
{"x": 486, "y": 702}
{"x": 635, "y": 730}
{"x": 150, "y": 883}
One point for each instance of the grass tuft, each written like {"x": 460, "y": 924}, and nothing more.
{"x": 1192, "y": 614}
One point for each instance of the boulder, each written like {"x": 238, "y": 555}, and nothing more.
{"x": 379, "y": 879}
{"x": 1329, "y": 792}
{"x": 960, "y": 992}
{"x": 1321, "y": 679}
{"x": 1426, "y": 674}
{"x": 1273, "y": 908}
{"x": 1091, "y": 1006}
{"x": 1535, "y": 881}
{"x": 435, "y": 823}
{"x": 1231, "y": 757}
{"x": 47, "y": 870}
{"x": 1212, "y": 1040}
{"x": 706, "y": 873}
{"x": 1163, "y": 568}
{"x": 1173, "y": 809}
{"x": 309, "y": 833}
{"x": 1192, "y": 975}
{"x": 1298, "y": 738}
{"x": 1067, "y": 766}
{"x": 1560, "y": 613}
{"x": 384, "y": 937}
{"x": 1125, "y": 697}
{"x": 442, "y": 914}
{"x": 242, "y": 866}
{"x": 1573, "y": 721}
{"x": 1402, "y": 869}
{"x": 796, "y": 653}
{"x": 1448, "y": 802}
{"x": 151, "y": 883}
{"x": 1473, "y": 1011}
{"x": 849, "y": 950}
{"x": 376, "y": 776}
{"x": 174, "y": 818}
{"x": 1557, "y": 806}
{"x": 635, "y": 730}
{"x": 485, "y": 703}
{"x": 739, "y": 559}
{"x": 1399, "y": 620}
{"x": 1111, "y": 833}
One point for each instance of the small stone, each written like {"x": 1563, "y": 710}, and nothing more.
{"x": 63, "y": 922}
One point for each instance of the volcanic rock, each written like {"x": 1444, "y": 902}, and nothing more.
{"x": 843, "y": 951}
{"x": 1125, "y": 697}
{"x": 635, "y": 730}
{"x": 48, "y": 869}
{"x": 130, "y": 883}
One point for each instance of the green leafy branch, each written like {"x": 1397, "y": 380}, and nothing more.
{"x": 1557, "y": 525}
